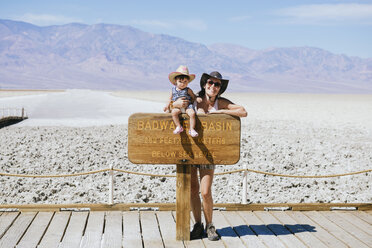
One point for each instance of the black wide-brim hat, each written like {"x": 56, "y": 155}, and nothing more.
{"x": 217, "y": 75}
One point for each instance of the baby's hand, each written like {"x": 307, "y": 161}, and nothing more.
{"x": 166, "y": 109}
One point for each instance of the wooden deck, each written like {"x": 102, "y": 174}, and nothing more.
{"x": 158, "y": 229}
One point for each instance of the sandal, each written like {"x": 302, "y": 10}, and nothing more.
{"x": 193, "y": 133}
{"x": 178, "y": 130}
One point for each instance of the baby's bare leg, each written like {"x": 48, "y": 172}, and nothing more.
{"x": 176, "y": 119}
{"x": 191, "y": 114}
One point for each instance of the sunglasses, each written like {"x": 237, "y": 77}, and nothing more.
{"x": 216, "y": 84}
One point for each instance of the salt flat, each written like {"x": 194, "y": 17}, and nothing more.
{"x": 320, "y": 109}
{"x": 73, "y": 106}
{"x": 77, "y": 108}
{"x": 80, "y": 130}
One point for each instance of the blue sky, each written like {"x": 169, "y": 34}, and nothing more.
{"x": 342, "y": 27}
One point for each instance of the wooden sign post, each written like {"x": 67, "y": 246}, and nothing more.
{"x": 151, "y": 141}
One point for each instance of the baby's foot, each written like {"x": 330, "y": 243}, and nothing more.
{"x": 178, "y": 130}
{"x": 193, "y": 133}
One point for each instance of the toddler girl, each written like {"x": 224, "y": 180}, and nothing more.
{"x": 180, "y": 79}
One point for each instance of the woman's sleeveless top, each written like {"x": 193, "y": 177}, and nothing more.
{"x": 213, "y": 109}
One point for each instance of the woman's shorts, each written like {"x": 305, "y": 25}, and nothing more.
{"x": 204, "y": 166}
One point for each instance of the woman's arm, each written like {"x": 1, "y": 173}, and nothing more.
{"x": 198, "y": 109}
{"x": 191, "y": 94}
{"x": 225, "y": 106}
{"x": 181, "y": 102}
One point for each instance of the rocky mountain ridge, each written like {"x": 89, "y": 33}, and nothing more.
{"x": 105, "y": 56}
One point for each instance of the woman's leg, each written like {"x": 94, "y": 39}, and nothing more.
{"x": 206, "y": 180}
{"x": 195, "y": 199}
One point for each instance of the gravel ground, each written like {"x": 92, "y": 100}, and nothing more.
{"x": 280, "y": 146}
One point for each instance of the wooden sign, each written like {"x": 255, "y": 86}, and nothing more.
{"x": 151, "y": 140}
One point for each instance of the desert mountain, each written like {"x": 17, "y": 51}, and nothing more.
{"x": 105, "y": 56}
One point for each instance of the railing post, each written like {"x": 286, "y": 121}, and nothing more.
{"x": 244, "y": 191}
{"x": 111, "y": 185}
{"x": 23, "y": 113}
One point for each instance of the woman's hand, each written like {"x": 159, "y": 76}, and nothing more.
{"x": 181, "y": 103}
{"x": 227, "y": 107}
{"x": 220, "y": 111}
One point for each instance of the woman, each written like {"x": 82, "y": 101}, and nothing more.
{"x": 208, "y": 102}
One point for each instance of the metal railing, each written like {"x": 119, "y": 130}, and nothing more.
{"x": 12, "y": 112}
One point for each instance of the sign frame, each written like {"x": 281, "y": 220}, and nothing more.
{"x": 151, "y": 139}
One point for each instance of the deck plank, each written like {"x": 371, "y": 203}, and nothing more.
{"x": 36, "y": 230}
{"x": 132, "y": 230}
{"x": 349, "y": 227}
{"x": 345, "y": 237}
{"x": 364, "y": 216}
{"x": 150, "y": 230}
{"x": 320, "y": 233}
{"x": 262, "y": 231}
{"x": 17, "y": 229}
{"x": 228, "y": 236}
{"x": 299, "y": 231}
{"x": 351, "y": 217}
{"x": 167, "y": 227}
{"x": 246, "y": 234}
{"x": 54, "y": 233}
{"x": 113, "y": 229}
{"x": 282, "y": 233}
{"x": 74, "y": 231}
{"x": 6, "y": 220}
{"x": 197, "y": 243}
{"x": 93, "y": 232}
{"x": 237, "y": 229}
